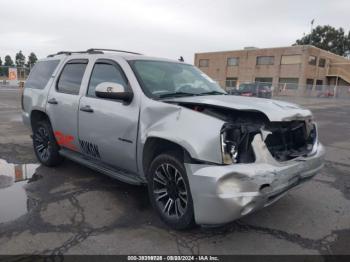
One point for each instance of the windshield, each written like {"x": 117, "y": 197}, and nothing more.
{"x": 160, "y": 79}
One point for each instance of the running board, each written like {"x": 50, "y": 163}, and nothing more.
{"x": 123, "y": 176}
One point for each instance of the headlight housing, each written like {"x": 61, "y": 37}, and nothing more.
{"x": 236, "y": 143}
{"x": 228, "y": 149}
{"x": 313, "y": 140}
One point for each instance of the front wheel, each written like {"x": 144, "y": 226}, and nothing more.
{"x": 169, "y": 191}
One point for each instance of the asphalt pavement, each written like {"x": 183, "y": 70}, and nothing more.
{"x": 71, "y": 209}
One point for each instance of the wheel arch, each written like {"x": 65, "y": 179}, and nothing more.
{"x": 156, "y": 145}
{"x": 36, "y": 116}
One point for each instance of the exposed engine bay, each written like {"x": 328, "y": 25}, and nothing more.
{"x": 285, "y": 140}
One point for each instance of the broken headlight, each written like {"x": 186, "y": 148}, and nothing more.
{"x": 229, "y": 145}
{"x": 236, "y": 143}
{"x": 312, "y": 141}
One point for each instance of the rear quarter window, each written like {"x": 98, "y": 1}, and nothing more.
{"x": 41, "y": 74}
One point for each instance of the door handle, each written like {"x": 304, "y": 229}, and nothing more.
{"x": 86, "y": 109}
{"x": 52, "y": 101}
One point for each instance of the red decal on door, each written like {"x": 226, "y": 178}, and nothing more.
{"x": 65, "y": 140}
{"x": 59, "y": 137}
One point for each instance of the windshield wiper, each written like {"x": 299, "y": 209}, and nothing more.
{"x": 176, "y": 94}
{"x": 212, "y": 93}
{"x": 180, "y": 94}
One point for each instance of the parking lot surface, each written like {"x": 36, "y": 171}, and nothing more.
{"x": 73, "y": 210}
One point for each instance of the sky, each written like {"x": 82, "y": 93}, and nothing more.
{"x": 161, "y": 28}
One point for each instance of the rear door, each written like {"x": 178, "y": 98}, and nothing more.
{"x": 63, "y": 103}
{"x": 108, "y": 128}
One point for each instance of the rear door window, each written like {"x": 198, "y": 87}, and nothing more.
{"x": 71, "y": 76}
{"x": 41, "y": 74}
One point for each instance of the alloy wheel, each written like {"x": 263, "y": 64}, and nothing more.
{"x": 170, "y": 191}
{"x": 42, "y": 143}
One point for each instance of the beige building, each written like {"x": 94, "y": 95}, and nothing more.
{"x": 299, "y": 68}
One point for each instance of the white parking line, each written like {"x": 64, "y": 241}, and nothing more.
{"x": 9, "y": 89}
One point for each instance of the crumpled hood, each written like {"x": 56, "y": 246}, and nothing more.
{"x": 275, "y": 110}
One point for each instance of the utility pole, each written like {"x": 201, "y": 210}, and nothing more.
{"x": 312, "y": 23}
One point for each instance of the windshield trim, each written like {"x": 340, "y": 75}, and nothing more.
{"x": 139, "y": 79}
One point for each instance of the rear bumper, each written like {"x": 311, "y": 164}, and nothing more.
{"x": 224, "y": 193}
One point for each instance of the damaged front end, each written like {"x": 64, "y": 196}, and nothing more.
{"x": 289, "y": 140}
{"x": 284, "y": 140}
{"x": 262, "y": 160}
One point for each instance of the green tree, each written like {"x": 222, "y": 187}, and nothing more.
{"x": 8, "y": 61}
{"x": 327, "y": 38}
{"x": 32, "y": 59}
{"x": 20, "y": 59}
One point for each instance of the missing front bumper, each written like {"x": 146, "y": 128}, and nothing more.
{"x": 224, "y": 193}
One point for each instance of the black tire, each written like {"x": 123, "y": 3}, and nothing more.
{"x": 45, "y": 144}
{"x": 169, "y": 191}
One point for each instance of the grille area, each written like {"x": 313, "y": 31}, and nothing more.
{"x": 289, "y": 140}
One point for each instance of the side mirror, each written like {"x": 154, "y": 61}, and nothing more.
{"x": 113, "y": 91}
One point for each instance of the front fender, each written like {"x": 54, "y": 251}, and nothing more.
{"x": 198, "y": 133}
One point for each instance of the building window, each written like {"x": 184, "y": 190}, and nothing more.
{"x": 322, "y": 62}
{"x": 289, "y": 83}
{"x": 312, "y": 60}
{"x": 319, "y": 85}
{"x": 309, "y": 84}
{"x": 203, "y": 62}
{"x": 231, "y": 81}
{"x": 233, "y": 61}
{"x": 290, "y": 59}
{"x": 319, "y": 82}
{"x": 263, "y": 79}
{"x": 265, "y": 60}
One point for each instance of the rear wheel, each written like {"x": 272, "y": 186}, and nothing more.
{"x": 45, "y": 145}
{"x": 169, "y": 191}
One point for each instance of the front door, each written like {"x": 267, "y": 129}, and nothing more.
{"x": 108, "y": 128}
{"x": 63, "y": 103}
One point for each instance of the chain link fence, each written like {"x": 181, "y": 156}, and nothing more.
{"x": 287, "y": 89}
{"x": 322, "y": 91}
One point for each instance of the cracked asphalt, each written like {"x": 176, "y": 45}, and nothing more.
{"x": 73, "y": 210}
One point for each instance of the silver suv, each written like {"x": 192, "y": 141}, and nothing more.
{"x": 207, "y": 157}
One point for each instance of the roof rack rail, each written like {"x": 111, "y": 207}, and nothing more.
{"x": 111, "y": 50}
{"x": 75, "y": 52}
{"x": 92, "y": 51}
